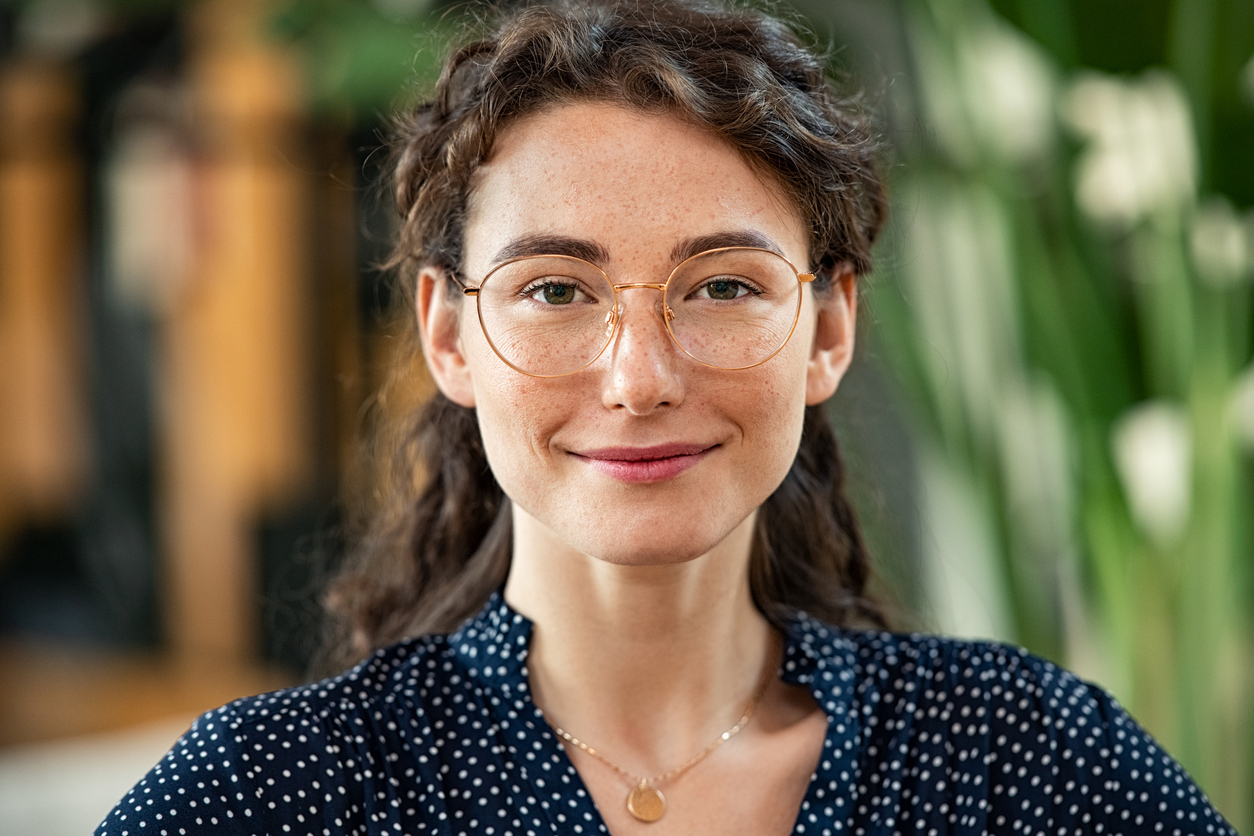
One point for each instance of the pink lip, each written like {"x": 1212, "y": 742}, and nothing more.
{"x": 645, "y": 464}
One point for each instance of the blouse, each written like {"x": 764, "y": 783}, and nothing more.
{"x": 439, "y": 734}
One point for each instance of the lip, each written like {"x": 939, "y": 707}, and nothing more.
{"x": 645, "y": 464}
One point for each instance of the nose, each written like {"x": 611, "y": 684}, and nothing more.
{"x": 645, "y": 364}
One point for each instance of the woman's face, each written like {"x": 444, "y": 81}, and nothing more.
{"x": 645, "y": 456}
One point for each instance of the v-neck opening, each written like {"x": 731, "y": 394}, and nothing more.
{"x": 497, "y": 641}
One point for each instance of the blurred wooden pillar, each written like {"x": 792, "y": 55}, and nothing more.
{"x": 43, "y": 440}
{"x": 338, "y": 316}
{"x": 237, "y": 438}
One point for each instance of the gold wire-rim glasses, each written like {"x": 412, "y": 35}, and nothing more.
{"x": 668, "y": 314}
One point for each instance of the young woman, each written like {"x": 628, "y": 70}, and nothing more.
{"x": 626, "y": 596}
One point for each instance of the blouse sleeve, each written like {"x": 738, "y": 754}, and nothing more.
{"x": 200, "y": 786}
{"x": 247, "y": 768}
{"x": 1124, "y": 781}
{"x": 1067, "y": 758}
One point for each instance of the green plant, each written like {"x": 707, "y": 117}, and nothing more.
{"x": 1071, "y": 316}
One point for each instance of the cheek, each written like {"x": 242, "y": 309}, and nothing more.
{"x": 777, "y": 398}
{"x": 511, "y": 419}
{"x": 518, "y": 416}
{"x": 775, "y": 432}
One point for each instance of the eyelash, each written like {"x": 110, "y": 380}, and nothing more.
{"x": 750, "y": 289}
{"x": 540, "y": 284}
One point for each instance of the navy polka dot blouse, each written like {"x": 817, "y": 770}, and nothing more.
{"x": 439, "y": 735}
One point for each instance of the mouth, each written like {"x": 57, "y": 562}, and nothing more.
{"x": 645, "y": 464}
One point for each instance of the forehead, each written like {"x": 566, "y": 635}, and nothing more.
{"x": 633, "y": 183}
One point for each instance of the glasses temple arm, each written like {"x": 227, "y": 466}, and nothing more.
{"x": 461, "y": 283}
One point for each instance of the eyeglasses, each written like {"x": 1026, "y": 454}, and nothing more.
{"x": 552, "y": 315}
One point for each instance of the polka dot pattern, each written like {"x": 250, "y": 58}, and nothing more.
{"x": 440, "y": 735}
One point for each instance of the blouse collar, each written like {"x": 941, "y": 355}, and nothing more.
{"x": 492, "y": 647}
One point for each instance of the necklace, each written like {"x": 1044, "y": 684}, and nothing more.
{"x": 644, "y": 800}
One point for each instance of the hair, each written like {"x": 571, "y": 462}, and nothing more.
{"x": 439, "y": 543}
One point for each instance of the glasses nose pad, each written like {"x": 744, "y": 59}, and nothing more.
{"x": 611, "y": 319}
{"x": 670, "y": 315}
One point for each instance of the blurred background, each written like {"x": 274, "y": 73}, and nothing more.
{"x": 1050, "y": 424}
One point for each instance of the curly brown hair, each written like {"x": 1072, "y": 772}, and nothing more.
{"x": 438, "y": 546}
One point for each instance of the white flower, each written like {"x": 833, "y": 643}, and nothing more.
{"x": 1218, "y": 242}
{"x": 1153, "y": 456}
{"x": 1009, "y": 87}
{"x": 989, "y": 91}
{"x": 1141, "y": 155}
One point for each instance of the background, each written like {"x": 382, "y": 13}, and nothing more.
{"x": 1050, "y": 422}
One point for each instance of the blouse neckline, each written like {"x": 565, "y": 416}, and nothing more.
{"x": 492, "y": 646}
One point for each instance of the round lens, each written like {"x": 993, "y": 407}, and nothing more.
{"x": 547, "y": 315}
{"x": 733, "y": 308}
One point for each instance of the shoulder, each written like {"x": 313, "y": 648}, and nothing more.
{"x": 312, "y": 751}
{"x": 998, "y": 676}
{"x": 921, "y": 668}
{"x": 1002, "y": 736}
{"x": 353, "y": 709}
{"x": 976, "y": 688}
{"x": 997, "y": 699}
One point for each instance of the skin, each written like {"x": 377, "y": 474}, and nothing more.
{"x": 647, "y": 645}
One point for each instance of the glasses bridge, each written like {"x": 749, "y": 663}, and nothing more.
{"x": 651, "y": 285}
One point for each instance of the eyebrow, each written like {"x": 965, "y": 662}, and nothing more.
{"x": 529, "y": 245}
{"x": 553, "y": 245}
{"x": 729, "y": 238}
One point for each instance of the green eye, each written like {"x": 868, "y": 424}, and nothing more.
{"x": 558, "y": 294}
{"x": 725, "y": 290}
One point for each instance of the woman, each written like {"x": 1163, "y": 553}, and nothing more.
{"x": 634, "y": 233}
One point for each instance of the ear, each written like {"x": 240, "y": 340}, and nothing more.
{"x": 833, "y": 335}
{"x": 439, "y": 323}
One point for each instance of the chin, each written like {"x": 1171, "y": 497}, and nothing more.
{"x": 651, "y": 555}
{"x": 659, "y": 533}
{"x": 639, "y": 543}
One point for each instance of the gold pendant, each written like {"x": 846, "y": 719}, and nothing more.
{"x": 645, "y": 803}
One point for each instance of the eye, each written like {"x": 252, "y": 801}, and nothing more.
{"x": 725, "y": 288}
{"x": 551, "y": 292}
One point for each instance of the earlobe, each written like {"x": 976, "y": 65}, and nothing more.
{"x": 833, "y": 336}
{"x": 439, "y": 323}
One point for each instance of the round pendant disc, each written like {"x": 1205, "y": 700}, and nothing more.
{"x": 646, "y": 803}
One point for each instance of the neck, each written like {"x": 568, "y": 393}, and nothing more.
{"x": 646, "y": 663}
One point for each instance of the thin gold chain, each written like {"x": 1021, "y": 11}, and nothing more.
{"x": 691, "y": 762}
